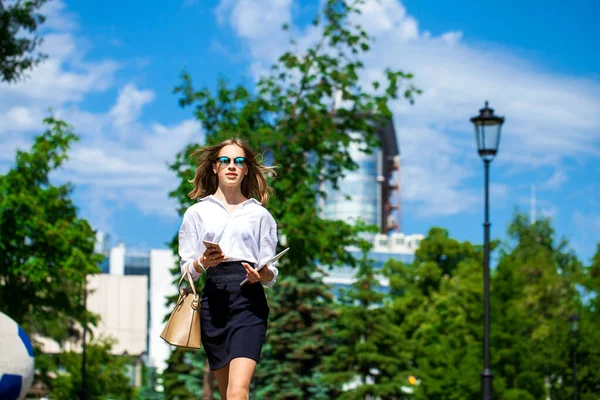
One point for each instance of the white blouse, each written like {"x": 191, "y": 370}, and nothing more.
{"x": 248, "y": 234}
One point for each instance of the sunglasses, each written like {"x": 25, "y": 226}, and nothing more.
{"x": 225, "y": 161}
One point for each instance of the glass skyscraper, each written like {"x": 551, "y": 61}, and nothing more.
{"x": 371, "y": 194}
{"x": 362, "y": 187}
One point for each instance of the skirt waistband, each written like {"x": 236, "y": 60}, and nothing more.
{"x": 227, "y": 269}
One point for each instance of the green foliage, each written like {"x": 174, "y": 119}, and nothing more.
{"x": 537, "y": 286}
{"x": 586, "y": 335}
{"x": 292, "y": 116}
{"x": 106, "y": 374}
{"x": 533, "y": 297}
{"x": 45, "y": 249}
{"x": 178, "y": 371}
{"x": 199, "y": 379}
{"x": 150, "y": 381}
{"x": 517, "y": 394}
{"x": 368, "y": 360}
{"x": 18, "y": 50}
{"x": 46, "y": 252}
{"x": 445, "y": 252}
{"x": 434, "y": 304}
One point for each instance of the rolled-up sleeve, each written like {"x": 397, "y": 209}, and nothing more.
{"x": 189, "y": 250}
{"x": 268, "y": 246}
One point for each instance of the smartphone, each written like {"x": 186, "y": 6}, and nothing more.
{"x": 212, "y": 245}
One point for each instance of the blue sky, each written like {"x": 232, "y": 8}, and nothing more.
{"x": 113, "y": 66}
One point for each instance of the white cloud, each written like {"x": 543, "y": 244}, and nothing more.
{"x": 430, "y": 178}
{"x": 551, "y": 212}
{"x": 21, "y": 118}
{"x": 123, "y": 173}
{"x": 121, "y": 160}
{"x": 548, "y": 116}
{"x": 62, "y": 78}
{"x": 129, "y": 104}
{"x": 556, "y": 180}
{"x": 58, "y": 18}
{"x": 380, "y": 17}
{"x": 259, "y": 22}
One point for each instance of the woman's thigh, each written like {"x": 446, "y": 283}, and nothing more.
{"x": 222, "y": 376}
{"x": 241, "y": 370}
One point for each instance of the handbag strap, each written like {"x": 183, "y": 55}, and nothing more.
{"x": 189, "y": 277}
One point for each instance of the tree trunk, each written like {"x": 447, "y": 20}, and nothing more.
{"x": 207, "y": 385}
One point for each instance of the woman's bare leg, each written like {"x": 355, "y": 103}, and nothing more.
{"x": 240, "y": 374}
{"x": 222, "y": 376}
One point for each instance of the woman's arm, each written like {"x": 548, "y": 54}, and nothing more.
{"x": 189, "y": 250}
{"x": 268, "y": 246}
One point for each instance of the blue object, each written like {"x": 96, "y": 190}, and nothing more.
{"x": 10, "y": 386}
{"x": 26, "y": 341}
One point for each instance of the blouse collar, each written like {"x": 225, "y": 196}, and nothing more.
{"x": 214, "y": 199}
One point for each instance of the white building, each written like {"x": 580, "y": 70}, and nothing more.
{"x": 396, "y": 246}
{"x": 121, "y": 303}
{"x": 156, "y": 266}
{"x": 130, "y": 297}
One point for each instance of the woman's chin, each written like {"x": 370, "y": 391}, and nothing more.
{"x": 230, "y": 183}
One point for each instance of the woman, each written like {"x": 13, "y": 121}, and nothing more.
{"x": 232, "y": 192}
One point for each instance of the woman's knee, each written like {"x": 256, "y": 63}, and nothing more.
{"x": 237, "y": 392}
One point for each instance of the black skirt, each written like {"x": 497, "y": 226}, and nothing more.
{"x": 233, "y": 317}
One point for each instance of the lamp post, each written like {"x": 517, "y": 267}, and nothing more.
{"x": 487, "y": 134}
{"x": 574, "y": 328}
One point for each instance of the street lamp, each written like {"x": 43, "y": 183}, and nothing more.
{"x": 487, "y": 134}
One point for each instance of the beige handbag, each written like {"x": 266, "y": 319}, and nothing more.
{"x": 183, "y": 326}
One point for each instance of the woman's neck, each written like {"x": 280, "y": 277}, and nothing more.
{"x": 230, "y": 195}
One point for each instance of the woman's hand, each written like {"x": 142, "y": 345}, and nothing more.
{"x": 212, "y": 257}
{"x": 253, "y": 276}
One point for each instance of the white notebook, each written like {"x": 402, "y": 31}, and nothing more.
{"x": 269, "y": 262}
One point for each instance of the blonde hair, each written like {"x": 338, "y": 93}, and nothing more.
{"x": 206, "y": 181}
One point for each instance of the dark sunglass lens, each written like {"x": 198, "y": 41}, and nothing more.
{"x": 224, "y": 160}
{"x": 240, "y": 162}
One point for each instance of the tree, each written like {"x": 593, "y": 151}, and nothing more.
{"x": 18, "y": 52}
{"x": 46, "y": 251}
{"x": 293, "y": 116}
{"x": 586, "y": 338}
{"x": 536, "y": 288}
{"x": 148, "y": 389}
{"x": 177, "y": 375}
{"x": 107, "y": 375}
{"x": 368, "y": 361}
{"x": 435, "y": 303}
{"x": 447, "y": 342}
{"x": 533, "y": 297}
